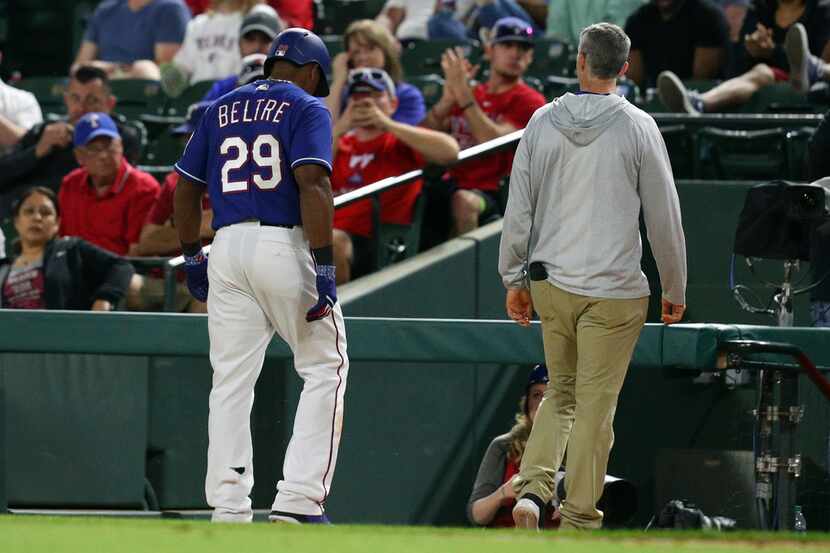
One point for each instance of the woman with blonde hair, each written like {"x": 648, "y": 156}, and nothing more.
{"x": 492, "y": 500}
{"x": 210, "y": 50}
{"x": 368, "y": 44}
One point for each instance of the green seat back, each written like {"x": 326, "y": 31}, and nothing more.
{"x": 680, "y": 145}
{"x": 395, "y": 243}
{"x": 747, "y": 155}
{"x": 48, "y": 91}
{"x": 137, "y": 97}
{"x": 424, "y": 57}
{"x": 431, "y": 86}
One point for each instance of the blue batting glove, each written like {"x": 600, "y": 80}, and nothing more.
{"x": 326, "y": 294}
{"x": 197, "y": 279}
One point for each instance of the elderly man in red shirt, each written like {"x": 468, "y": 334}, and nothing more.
{"x": 106, "y": 200}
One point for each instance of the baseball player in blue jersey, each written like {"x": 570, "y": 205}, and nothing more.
{"x": 264, "y": 153}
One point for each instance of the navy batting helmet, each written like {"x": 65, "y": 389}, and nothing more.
{"x": 301, "y": 47}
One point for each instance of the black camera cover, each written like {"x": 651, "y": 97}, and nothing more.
{"x": 778, "y": 219}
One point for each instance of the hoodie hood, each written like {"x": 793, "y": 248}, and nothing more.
{"x": 584, "y": 117}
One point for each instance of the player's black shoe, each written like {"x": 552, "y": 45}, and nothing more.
{"x": 294, "y": 518}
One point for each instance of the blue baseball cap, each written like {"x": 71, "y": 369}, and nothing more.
{"x": 512, "y": 29}
{"x": 93, "y": 125}
{"x": 367, "y": 79}
{"x": 194, "y": 115}
{"x": 539, "y": 375}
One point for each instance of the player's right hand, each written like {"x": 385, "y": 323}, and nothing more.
{"x": 326, "y": 294}
{"x": 195, "y": 267}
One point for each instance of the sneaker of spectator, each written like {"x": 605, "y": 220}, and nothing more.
{"x": 258, "y": 30}
{"x": 19, "y": 112}
{"x": 567, "y": 18}
{"x": 106, "y": 200}
{"x": 370, "y": 146}
{"x": 44, "y": 155}
{"x": 784, "y": 42}
{"x": 80, "y": 276}
{"x": 368, "y": 44}
{"x": 474, "y": 114}
{"x": 159, "y": 237}
{"x": 688, "y": 37}
{"x": 210, "y": 50}
{"x": 132, "y": 39}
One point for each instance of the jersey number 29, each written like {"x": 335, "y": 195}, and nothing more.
{"x": 265, "y": 153}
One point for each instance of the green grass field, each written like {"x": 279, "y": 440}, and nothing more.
{"x": 25, "y": 534}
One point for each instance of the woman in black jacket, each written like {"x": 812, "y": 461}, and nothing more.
{"x": 57, "y": 273}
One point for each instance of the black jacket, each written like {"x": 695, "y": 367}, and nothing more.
{"x": 77, "y": 273}
{"x": 21, "y": 168}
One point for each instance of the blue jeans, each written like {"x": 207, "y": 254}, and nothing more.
{"x": 489, "y": 14}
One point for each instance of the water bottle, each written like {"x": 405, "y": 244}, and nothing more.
{"x": 800, "y": 523}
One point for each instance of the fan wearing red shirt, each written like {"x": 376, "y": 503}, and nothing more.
{"x": 474, "y": 115}
{"x": 106, "y": 200}
{"x": 160, "y": 238}
{"x": 370, "y": 146}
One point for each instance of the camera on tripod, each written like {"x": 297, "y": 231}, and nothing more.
{"x": 779, "y": 221}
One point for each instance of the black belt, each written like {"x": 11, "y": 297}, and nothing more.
{"x": 264, "y": 224}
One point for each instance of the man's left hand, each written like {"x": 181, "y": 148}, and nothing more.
{"x": 519, "y": 305}
{"x": 326, "y": 294}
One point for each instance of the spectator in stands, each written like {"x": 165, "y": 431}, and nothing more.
{"x": 688, "y": 37}
{"x": 735, "y": 12}
{"x": 132, "y": 38}
{"x": 476, "y": 114}
{"x": 57, "y": 273}
{"x": 465, "y": 19}
{"x": 294, "y": 13}
{"x": 211, "y": 47}
{"x": 784, "y": 40}
{"x": 159, "y": 238}
{"x": 406, "y": 19}
{"x": 368, "y": 44}
{"x": 567, "y": 18}
{"x": 44, "y": 155}
{"x": 19, "y": 112}
{"x": 492, "y": 499}
{"x": 106, "y": 200}
{"x": 258, "y": 30}
{"x": 370, "y": 146}
{"x": 2, "y": 244}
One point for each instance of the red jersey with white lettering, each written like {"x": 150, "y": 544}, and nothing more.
{"x": 357, "y": 164}
{"x": 514, "y": 106}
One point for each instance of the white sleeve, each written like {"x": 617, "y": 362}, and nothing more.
{"x": 29, "y": 114}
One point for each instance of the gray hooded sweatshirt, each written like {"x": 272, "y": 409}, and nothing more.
{"x": 585, "y": 167}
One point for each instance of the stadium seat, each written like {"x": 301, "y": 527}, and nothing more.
{"x": 424, "y": 57}
{"x": 48, "y": 91}
{"x": 797, "y": 144}
{"x": 556, "y": 86}
{"x": 680, "y": 145}
{"x": 431, "y": 86}
{"x": 552, "y": 58}
{"x": 395, "y": 243}
{"x": 739, "y": 154}
{"x": 137, "y": 96}
{"x": 164, "y": 149}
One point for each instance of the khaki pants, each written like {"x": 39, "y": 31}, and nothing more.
{"x": 588, "y": 346}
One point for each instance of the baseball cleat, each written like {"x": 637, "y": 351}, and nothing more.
{"x": 526, "y": 514}
{"x": 295, "y": 518}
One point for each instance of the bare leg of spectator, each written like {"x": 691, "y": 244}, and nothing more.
{"x": 141, "y": 69}
{"x": 466, "y": 207}
{"x": 734, "y": 92}
{"x": 343, "y": 256}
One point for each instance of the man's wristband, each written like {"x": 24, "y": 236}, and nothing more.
{"x": 465, "y": 106}
{"x": 190, "y": 249}
{"x": 323, "y": 256}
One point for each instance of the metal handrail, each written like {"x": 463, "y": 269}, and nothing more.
{"x": 743, "y": 119}
{"x": 370, "y": 190}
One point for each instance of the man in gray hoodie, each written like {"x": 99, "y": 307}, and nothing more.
{"x": 588, "y": 163}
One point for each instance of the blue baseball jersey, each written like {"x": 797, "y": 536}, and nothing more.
{"x": 247, "y": 145}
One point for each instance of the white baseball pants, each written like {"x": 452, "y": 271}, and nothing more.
{"x": 262, "y": 280}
